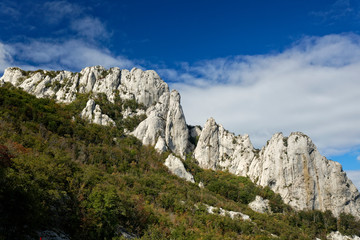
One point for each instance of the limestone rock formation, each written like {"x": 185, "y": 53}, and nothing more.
{"x": 294, "y": 168}
{"x": 260, "y": 205}
{"x": 145, "y": 87}
{"x": 291, "y": 166}
{"x": 338, "y": 236}
{"x": 220, "y": 149}
{"x": 176, "y": 167}
{"x": 92, "y": 112}
{"x": 165, "y": 125}
{"x": 223, "y": 212}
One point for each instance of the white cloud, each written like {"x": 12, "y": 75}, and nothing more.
{"x": 75, "y": 18}
{"x": 312, "y": 87}
{"x": 74, "y": 44}
{"x": 73, "y": 54}
{"x": 355, "y": 177}
{"x": 358, "y": 158}
{"x": 339, "y": 10}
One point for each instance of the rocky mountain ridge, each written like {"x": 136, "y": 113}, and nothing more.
{"x": 290, "y": 166}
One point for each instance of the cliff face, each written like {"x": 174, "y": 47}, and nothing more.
{"x": 290, "y": 166}
{"x": 145, "y": 87}
{"x": 165, "y": 126}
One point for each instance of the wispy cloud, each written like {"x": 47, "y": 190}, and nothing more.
{"x": 9, "y": 9}
{"x": 311, "y": 87}
{"x": 358, "y": 158}
{"x": 340, "y": 9}
{"x": 89, "y": 27}
{"x": 75, "y": 40}
{"x": 57, "y": 11}
{"x": 76, "y": 19}
{"x": 73, "y": 54}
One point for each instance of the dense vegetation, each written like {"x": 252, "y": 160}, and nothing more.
{"x": 61, "y": 173}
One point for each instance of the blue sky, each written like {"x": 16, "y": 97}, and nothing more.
{"x": 257, "y": 67}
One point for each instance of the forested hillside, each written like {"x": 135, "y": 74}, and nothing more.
{"x": 60, "y": 173}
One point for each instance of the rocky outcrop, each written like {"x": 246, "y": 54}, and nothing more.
{"x": 293, "y": 167}
{"x": 290, "y": 166}
{"x": 92, "y": 112}
{"x": 165, "y": 126}
{"x": 145, "y": 87}
{"x": 177, "y": 168}
{"x": 219, "y": 149}
{"x": 260, "y": 205}
{"x": 338, "y": 236}
{"x": 223, "y": 212}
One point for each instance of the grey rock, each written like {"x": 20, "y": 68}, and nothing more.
{"x": 219, "y": 149}
{"x": 145, "y": 87}
{"x": 176, "y": 166}
{"x": 165, "y": 125}
{"x": 291, "y": 166}
{"x": 260, "y": 205}
{"x": 92, "y": 112}
{"x": 338, "y": 236}
{"x": 223, "y": 212}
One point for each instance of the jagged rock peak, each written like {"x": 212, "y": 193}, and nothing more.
{"x": 217, "y": 148}
{"x": 145, "y": 87}
{"x": 165, "y": 125}
{"x": 291, "y": 166}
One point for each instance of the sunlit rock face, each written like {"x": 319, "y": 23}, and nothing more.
{"x": 92, "y": 112}
{"x": 176, "y": 166}
{"x": 290, "y": 166}
{"x": 145, "y": 87}
{"x": 165, "y": 126}
{"x": 219, "y": 149}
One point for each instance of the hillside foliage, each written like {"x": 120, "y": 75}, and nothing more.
{"x": 58, "y": 172}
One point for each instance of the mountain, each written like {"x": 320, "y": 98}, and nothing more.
{"x": 138, "y": 103}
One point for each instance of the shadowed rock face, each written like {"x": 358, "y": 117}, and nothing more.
{"x": 290, "y": 166}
